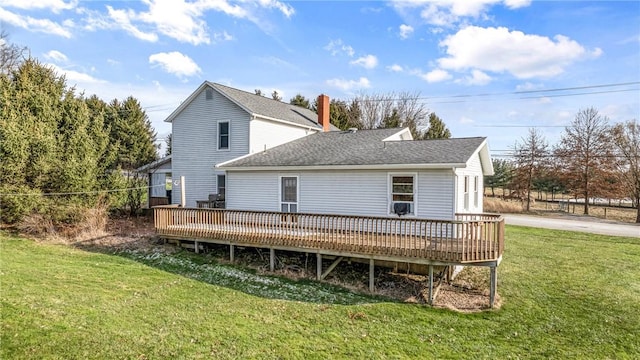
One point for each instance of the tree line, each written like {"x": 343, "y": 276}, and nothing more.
{"x": 593, "y": 159}
{"x": 379, "y": 110}
{"x": 61, "y": 150}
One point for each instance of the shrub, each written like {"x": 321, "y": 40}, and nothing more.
{"x": 16, "y": 202}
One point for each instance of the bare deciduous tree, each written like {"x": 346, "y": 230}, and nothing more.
{"x": 398, "y": 109}
{"x": 585, "y": 154}
{"x": 626, "y": 138}
{"x": 11, "y": 55}
{"x": 530, "y": 159}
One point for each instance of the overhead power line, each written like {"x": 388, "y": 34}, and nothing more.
{"x": 81, "y": 192}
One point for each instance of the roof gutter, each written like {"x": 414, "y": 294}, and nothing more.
{"x": 341, "y": 167}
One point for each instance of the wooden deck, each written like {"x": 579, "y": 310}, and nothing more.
{"x": 471, "y": 239}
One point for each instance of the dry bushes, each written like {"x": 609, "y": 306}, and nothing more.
{"x": 496, "y": 205}
{"x": 72, "y": 223}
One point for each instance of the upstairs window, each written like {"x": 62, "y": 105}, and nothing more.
{"x": 402, "y": 195}
{"x": 223, "y": 135}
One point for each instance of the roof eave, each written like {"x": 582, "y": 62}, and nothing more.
{"x": 445, "y": 166}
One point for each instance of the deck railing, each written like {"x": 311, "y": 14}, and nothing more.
{"x": 469, "y": 238}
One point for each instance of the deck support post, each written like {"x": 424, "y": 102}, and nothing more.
{"x": 272, "y": 259}
{"x": 371, "y": 275}
{"x": 493, "y": 286}
{"x": 231, "y": 253}
{"x": 430, "y": 293}
{"x": 319, "y": 266}
{"x": 196, "y": 246}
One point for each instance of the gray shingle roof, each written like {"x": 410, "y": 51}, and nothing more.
{"x": 363, "y": 147}
{"x": 268, "y": 107}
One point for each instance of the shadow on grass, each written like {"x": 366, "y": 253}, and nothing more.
{"x": 294, "y": 284}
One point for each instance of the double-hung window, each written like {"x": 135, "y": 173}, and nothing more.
{"x": 466, "y": 192}
{"x": 403, "y": 194}
{"x": 223, "y": 135}
{"x": 476, "y": 191}
{"x": 289, "y": 194}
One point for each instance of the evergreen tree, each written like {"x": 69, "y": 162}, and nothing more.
{"x": 168, "y": 143}
{"x": 47, "y": 144}
{"x": 437, "y": 129}
{"x": 301, "y": 101}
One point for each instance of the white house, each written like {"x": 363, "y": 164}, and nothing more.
{"x": 381, "y": 172}
{"x": 263, "y": 154}
{"x": 217, "y": 123}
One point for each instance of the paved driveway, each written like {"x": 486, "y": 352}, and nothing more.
{"x": 571, "y": 223}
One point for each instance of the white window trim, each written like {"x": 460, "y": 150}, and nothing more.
{"x": 280, "y": 202}
{"x": 466, "y": 187}
{"x": 390, "y": 175}
{"x": 228, "y": 135}
{"x": 476, "y": 191}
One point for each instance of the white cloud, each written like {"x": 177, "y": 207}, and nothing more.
{"x": 57, "y": 56}
{"x": 367, "y": 61}
{"x": 477, "y": 78}
{"x": 436, "y": 75}
{"x": 347, "y": 85}
{"x": 336, "y": 47}
{"x": 500, "y": 50}
{"x": 450, "y": 12}
{"x": 223, "y": 36}
{"x": 32, "y": 24}
{"x": 181, "y": 20}
{"x": 75, "y": 77}
{"x": 285, "y": 9}
{"x": 175, "y": 63}
{"x": 54, "y": 5}
{"x": 122, "y": 19}
{"x": 395, "y": 68}
{"x": 405, "y": 31}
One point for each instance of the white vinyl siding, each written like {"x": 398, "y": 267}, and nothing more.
{"x": 363, "y": 192}
{"x": 436, "y": 194}
{"x": 252, "y": 191}
{"x": 265, "y": 134}
{"x": 195, "y": 148}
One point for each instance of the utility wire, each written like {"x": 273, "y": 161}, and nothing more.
{"x": 84, "y": 192}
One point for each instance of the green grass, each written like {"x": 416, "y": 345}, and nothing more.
{"x": 565, "y": 295}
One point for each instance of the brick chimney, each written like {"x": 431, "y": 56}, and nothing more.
{"x": 323, "y": 112}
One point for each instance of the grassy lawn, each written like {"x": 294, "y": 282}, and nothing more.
{"x": 565, "y": 295}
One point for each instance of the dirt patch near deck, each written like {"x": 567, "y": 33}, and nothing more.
{"x": 468, "y": 292}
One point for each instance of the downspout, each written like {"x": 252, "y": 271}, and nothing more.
{"x": 455, "y": 192}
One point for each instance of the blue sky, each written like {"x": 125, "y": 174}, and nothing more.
{"x": 468, "y": 60}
